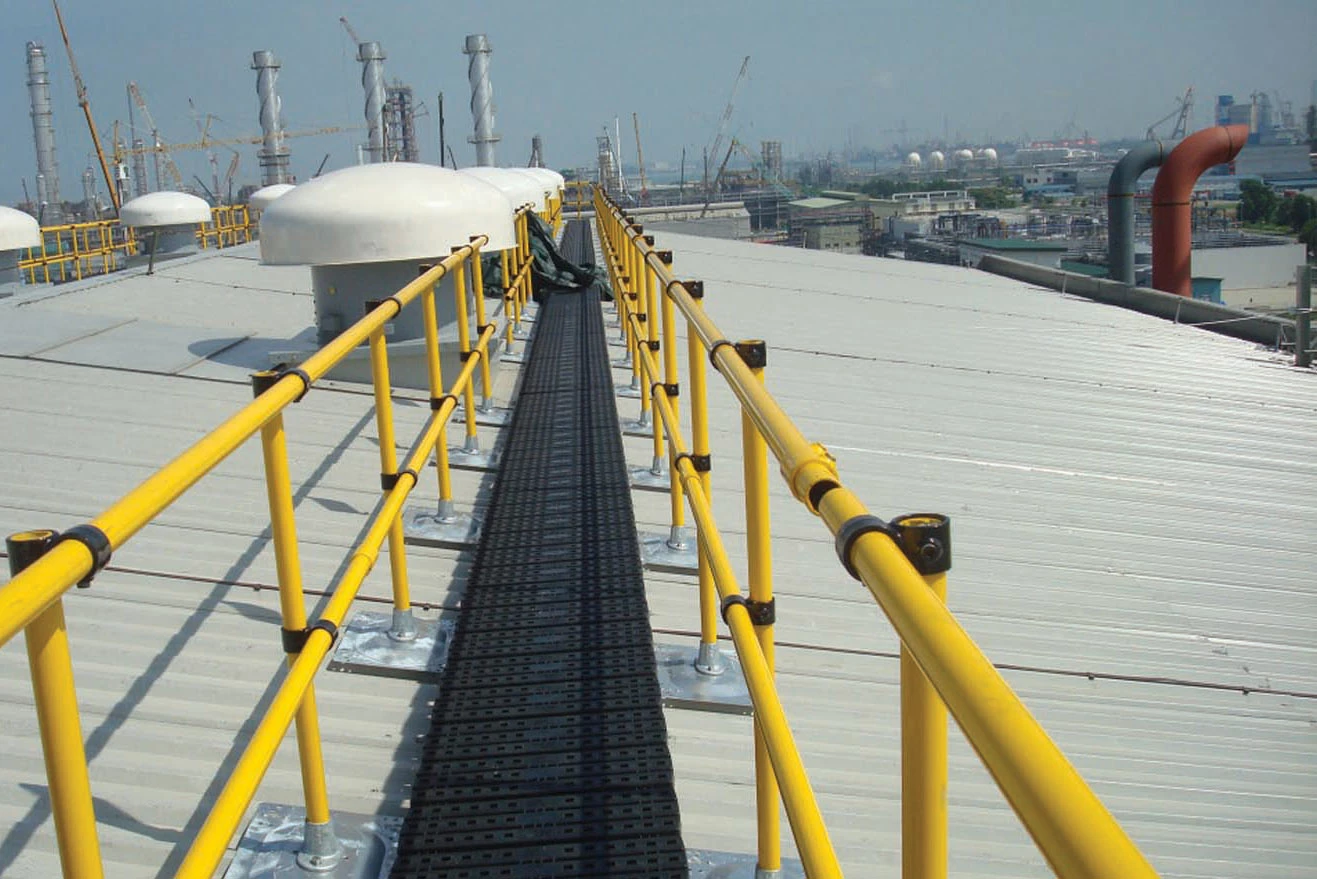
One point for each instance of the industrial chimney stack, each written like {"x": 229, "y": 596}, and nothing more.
{"x": 371, "y": 57}
{"x": 482, "y": 98}
{"x": 49, "y": 207}
{"x": 273, "y": 154}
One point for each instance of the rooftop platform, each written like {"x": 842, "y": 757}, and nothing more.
{"x": 1132, "y": 547}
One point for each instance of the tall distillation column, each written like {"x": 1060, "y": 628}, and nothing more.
{"x": 482, "y": 98}
{"x": 371, "y": 57}
{"x": 273, "y": 154}
{"x": 49, "y": 206}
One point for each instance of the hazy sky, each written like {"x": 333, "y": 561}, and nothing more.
{"x": 822, "y": 74}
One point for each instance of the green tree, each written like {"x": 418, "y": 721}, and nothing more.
{"x": 992, "y": 197}
{"x": 1295, "y": 211}
{"x": 1308, "y": 235}
{"x": 1257, "y": 202}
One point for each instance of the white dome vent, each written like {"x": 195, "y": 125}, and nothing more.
{"x": 365, "y": 230}
{"x": 18, "y": 231}
{"x": 521, "y": 189}
{"x": 158, "y": 210}
{"x": 165, "y": 223}
{"x": 383, "y": 212}
{"x": 265, "y": 196}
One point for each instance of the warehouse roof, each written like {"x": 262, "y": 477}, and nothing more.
{"x": 1130, "y": 548}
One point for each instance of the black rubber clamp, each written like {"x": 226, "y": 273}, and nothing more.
{"x": 480, "y": 328}
{"x": 97, "y": 544}
{"x": 665, "y": 257}
{"x": 925, "y": 538}
{"x": 694, "y": 288}
{"x": 713, "y": 350}
{"x": 389, "y": 480}
{"x": 649, "y": 239}
{"x": 672, "y": 389}
{"x": 762, "y": 613}
{"x": 263, "y": 381}
{"x": 701, "y": 463}
{"x": 851, "y": 530}
{"x": 754, "y": 352}
{"x": 371, "y": 304}
{"x": 654, "y": 345}
{"x": 464, "y": 356}
{"x": 294, "y": 640}
{"x": 642, "y": 317}
{"x": 436, "y": 403}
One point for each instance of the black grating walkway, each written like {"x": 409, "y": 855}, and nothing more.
{"x": 547, "y": 755}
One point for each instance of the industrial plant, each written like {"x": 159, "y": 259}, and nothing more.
{"x": 462, "y": 504}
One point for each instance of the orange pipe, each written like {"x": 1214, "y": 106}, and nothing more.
{"x": 1171, "y": 213}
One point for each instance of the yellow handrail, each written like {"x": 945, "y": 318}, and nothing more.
{"x": 788, "y": 772}
{"x": 32, "y": 591}
{"x": 1069, "y": 824}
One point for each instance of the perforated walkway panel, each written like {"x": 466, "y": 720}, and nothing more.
{"x": 547, "y": 755}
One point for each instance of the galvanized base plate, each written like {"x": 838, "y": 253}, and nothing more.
{"x": 705, "y": 864}
{"x": 644, "y": 479}
{"x": 481, "y": 459}
{"x": 626, "y": 390}
{"x": 657, "y": 555}
{"x": 683, "y": 686}
{"x": 521, "y": 333}
{"x": 364, "y": 647}
{"x": 634, "y": 427}
{"x": 496, "y": 416}
{"x": 268, "y": 847}
{"x": 617, "y": 342}
{"x": 518, "y": 356}
{"x": 422, "y": 526}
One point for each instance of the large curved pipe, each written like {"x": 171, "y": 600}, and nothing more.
{"x": 1171, "y": 214}
{"x": 1120, "y": 206}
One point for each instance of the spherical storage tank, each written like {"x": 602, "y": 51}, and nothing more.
{"x": 936, "y": 160}
{"x": 913, "y": 161}
{"x": 964, "y": 156}
{"x": 365, "y": 230}
{"x": 988, "y": 155}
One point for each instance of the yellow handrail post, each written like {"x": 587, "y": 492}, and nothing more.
{"x": 709, "y": 661}
{"x": 403, "y": 626}
{"x": 677, "y": 533}
{"x": 759, "y": 574}
{"x": 472, "y": 444}
{"x": 478, "y": 293}
{"x": 923, "y": 766}
{"x": 649, "y": 291}
{"x": 51, "y": 668}
{"x": 319, "y": 844}
{"x": 636, "y": 303}
{"x": 445, "y": 511}
{"x": 506, "y": 259}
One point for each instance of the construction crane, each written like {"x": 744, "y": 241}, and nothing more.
{"x": 726, "y": 119}
{"x": 158, "y": 147}
{"x": 356, "y": 40}
{"x": 203, "y": 129}
{"x": 85, "y": 104}
{"x": 708, "y": 197}
{"x": 1184, "y": 106}
{"x": 229, "y": 174}
{"x": 640, "y": 160}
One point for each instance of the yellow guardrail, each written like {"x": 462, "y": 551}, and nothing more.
{"x": 903, "y": 563}
{"x": 45, "y": 565}
{"x": 75, "y": 251}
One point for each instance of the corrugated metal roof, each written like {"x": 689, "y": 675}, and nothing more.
{"x": 1132, "y": 540}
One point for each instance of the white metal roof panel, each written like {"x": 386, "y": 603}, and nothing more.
{"x": 1129, "y": 541}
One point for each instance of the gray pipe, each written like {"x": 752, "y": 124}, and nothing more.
{"x": 371, "y": 57}
{"x": 273, "y": 154}
{"x": 482, "y": 98}
{"x": 141, "y": 184}
{"x": 1120, "y": 206}
{"x": 43, "y": 136}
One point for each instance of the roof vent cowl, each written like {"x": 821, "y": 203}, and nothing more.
{"x": 165, "y": 223}
{"x": 364, "y": 231}
{"x": 18, "y": 231}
